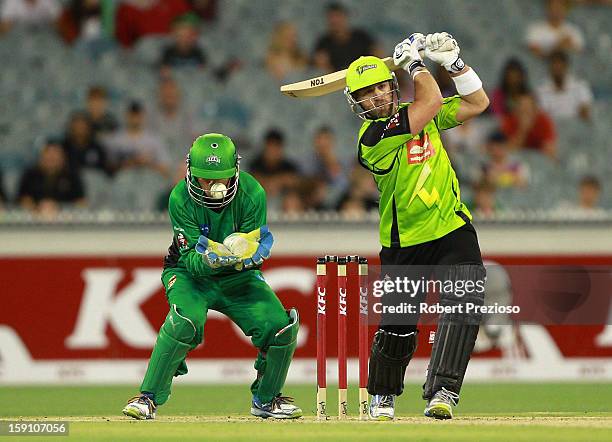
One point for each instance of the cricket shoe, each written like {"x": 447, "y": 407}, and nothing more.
{"x": 382, "y": 407}
{"x": 140, "y": 407}
{"x": 440, "y": 406}
{"x": 281, "y": 407}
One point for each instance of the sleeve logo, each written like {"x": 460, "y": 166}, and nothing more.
{"x": 182, "y": 241}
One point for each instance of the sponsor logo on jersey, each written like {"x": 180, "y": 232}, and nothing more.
{"x": 213, "y": 159}
{"x": 393, "y": 122}
{"x": 365, "y": 67}
{"x": 419, "y": 150}
{"x": 182, "y": 241}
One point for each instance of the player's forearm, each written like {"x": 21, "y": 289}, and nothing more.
{"x": 427, "y": 101}
{"x": 474, "y": 99}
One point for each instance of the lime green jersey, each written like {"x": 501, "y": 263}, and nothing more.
{"x": 419, "y": 193}
{"x": 246, "y": 212}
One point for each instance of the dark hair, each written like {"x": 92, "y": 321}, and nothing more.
{"x": 97, "y": 91}
{"x": 324, "y": 130}
{"x": 336, "y": 7}
{"x": 513, "y": 64}
{"x": 497, "y": 136}
{"x": 274, "y": 135}
{"x": 558, "y": 55}
{"x": 135, "y": 107}
{"x": 590, "y": 180}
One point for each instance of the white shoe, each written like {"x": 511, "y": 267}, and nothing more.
{"x": 382, "y": 407}
{"x": 440, "y": 406}
{"x": 281, "y": 407}
{"x": 140, "y": 407}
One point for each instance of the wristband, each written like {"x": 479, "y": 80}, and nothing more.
{"x": 418, "y": 71}
{"x": 455, "y": 67}
{"x": 467, "y": 83}
{"x": 415, "y": 65}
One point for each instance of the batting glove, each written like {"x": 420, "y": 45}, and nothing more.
{"x": 214, "y": 254}
{"x": 406, "y": 53}
{"x": 443, "y": 49}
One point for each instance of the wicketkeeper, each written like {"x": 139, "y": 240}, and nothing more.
{"x": 422, "y": 219}
{"x": 215, "y": 203}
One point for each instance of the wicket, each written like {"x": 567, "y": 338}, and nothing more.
{"x": 342, "y": 335}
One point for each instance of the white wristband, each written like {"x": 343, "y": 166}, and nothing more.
{"x": 467, "y": 83}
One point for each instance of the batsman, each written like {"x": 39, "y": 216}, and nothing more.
{"x": 422, "y": 219}
{"x": 218, "y": 215}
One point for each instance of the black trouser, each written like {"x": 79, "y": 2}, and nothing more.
{"x": 457, "y": 247}
{"x": 395, "y": 342}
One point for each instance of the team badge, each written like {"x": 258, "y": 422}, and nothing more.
{"x": 213, "y": 159}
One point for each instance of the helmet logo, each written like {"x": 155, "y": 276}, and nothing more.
{"x": 214, "y": 145}
{"x": 361, "y": 69}
{"x": 213, "y": 159}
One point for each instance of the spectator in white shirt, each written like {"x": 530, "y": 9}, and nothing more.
{"x": 564, "y": 96}
{"x": 544, "y": 37}
{"x": 28, "y": 12}
{"x": 135, "y": 147}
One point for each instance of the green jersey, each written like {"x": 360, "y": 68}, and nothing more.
{"x": 246, "y": 212}
{"x": 419, "y": 193}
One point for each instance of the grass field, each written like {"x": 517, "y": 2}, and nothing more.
{"x": 516, "y": 412}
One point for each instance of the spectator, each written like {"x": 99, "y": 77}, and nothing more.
{"x": 484, "y": 201}
{"x": 103, "y": 122}
{"x": 272, "y": 169}
{"x": 50, "y": 183}
{"x": 292, "y": 203}
{"x": 342, "y": 44}
{"x": 28, "y": 12}
{"x": 326, "y": 170}
{"x": 529, "y": 127}
{"x": 512, "y": 84}
{"x": 284, "y": 55}
{"x": 500, "y": 169}
{"x": 184, "y": 49}
{"x": 361, "y": 195}
{"x": 83, "y": 22}
{"x": 588, "y": 202}
{"x": 564, "y": 96}
{"x": 467, "y": 137}
{"x": 589, "y": 193}
{"x": 554, "y": 34}
{"x": 135, "y": 146}
{"x": 80, "y": 146}
{"x": 138, "y": 18}
{"x": 172, "y": 120}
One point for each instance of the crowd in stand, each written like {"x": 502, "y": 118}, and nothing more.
{"x": 156, "y": 136}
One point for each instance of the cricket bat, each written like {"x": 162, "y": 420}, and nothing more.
{"x": 323, "y": 85}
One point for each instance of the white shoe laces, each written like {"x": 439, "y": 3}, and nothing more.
{"x": 447, "y": 396}
{"x": 386, "y": 401}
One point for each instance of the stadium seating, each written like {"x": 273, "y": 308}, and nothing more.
{"x": 45, "y": 81}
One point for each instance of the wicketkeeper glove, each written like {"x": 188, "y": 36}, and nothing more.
{"x": 443, "y": 49}
{"x": 265, "y": 239}
{"x": 406, "y": 53}
{"x": 214, "y": 254}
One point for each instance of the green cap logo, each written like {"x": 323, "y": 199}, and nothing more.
{"x": 213, "y": 159}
